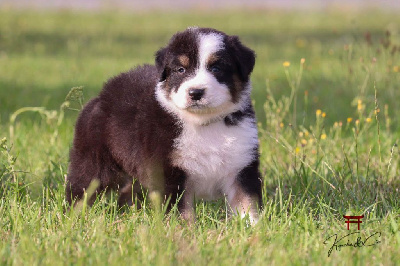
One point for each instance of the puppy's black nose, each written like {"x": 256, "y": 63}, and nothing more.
{"x": 196, "y": 94}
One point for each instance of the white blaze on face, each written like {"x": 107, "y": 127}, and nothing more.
{"x": 217, "y": 96}
{"x": 209, "y": 44}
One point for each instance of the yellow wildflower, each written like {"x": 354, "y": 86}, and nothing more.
{"x": 297, "y": 149}
{"x": 318, "y": 112}
{"x": 286, "y": 64}
{"x": 323, "y": 136}
{"x": 349, "y": 119}
{"x": 396, "y": 69}
{"x": 359, "y": 105}
{"x": 368, "y": 120}
{"x": 303, "y": 142}
{"x": 281, "y": 125}
{"x": 302, "y": 60}
{"x": 323, "y": 114}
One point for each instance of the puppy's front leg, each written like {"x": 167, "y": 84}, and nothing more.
{"x": 242, "y": 203}
{"x": 179, "y": 191}
{"x": 244, "y": 195}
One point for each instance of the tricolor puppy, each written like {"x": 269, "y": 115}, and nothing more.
{"x": 184, "y": 127}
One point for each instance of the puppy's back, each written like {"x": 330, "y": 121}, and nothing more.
{"x": 130, "y": 91}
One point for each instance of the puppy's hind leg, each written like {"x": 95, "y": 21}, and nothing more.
{"x": 92, "y": 176}
{"x": 131, "y": 194}
{"x": 90, "y": 157}
{"x": 79, "y": 182}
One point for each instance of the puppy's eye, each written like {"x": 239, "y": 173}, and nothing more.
{"x": 181, "y": 70}
{"x": 215, "y": 69}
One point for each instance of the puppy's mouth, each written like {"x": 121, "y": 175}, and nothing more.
{"x": 196, "y": 107}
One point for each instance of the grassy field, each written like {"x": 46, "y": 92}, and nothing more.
{"x": 326, "y": 88}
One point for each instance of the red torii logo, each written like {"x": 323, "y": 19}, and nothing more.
{"x": 352, "y": 219}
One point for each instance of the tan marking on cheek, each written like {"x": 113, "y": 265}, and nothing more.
{"x": 238, "y": 87}
{"x": 237, "y": 83}
{"x": 184, "y": 60}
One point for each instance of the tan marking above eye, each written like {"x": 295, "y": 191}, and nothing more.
{"x": 184, "y": 60}
{"x": 212, "y": 59}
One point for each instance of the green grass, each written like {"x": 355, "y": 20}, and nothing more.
{"x": 317, "y": 165}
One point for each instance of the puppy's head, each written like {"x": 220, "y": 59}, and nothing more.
{"x": 204, "y": 74}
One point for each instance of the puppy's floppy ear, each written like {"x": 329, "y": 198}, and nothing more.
{"x": 160, "y": 63}
{"x": 245, "y": 57}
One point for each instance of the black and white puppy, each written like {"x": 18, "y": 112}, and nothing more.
{"x": 184, "y": 127}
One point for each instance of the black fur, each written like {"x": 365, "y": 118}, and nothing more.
{"x": 250, "y": 180}
{"x": 234, "y": 118}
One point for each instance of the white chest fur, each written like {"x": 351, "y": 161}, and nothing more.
{"x": 213, "y": 155}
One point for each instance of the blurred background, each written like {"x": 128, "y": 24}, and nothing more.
{"x": 141, "y": 5}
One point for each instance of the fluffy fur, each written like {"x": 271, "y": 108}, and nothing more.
{"x": 184, "y": 127}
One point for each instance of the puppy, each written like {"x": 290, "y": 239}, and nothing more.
{"x": 184, "y": 127}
